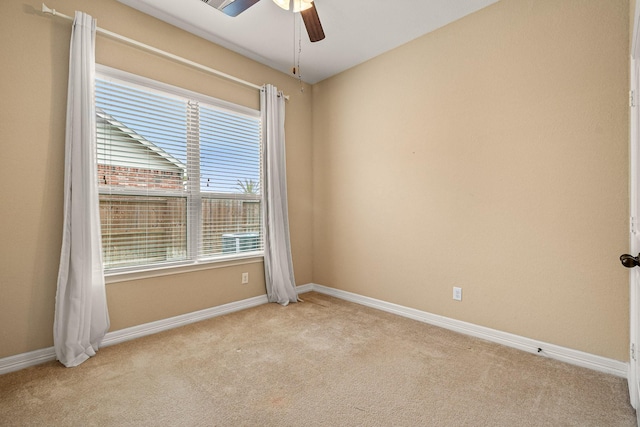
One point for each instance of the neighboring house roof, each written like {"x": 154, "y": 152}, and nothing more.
{"x": 127, "y": 148}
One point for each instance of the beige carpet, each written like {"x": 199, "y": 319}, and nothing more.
{"x": 324, "y": 362}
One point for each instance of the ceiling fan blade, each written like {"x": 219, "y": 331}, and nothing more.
{"x": 238, "y": 6}
{"x": 312, "y": 22}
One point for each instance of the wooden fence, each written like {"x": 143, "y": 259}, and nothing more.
{"x": 144, "y": 229}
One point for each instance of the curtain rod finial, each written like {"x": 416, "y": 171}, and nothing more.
{"x": 46, "y": 9}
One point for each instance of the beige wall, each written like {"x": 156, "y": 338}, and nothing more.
{"x": 632, "y": 8}
{"x": 490, "y": 155}
{"x": 33, "y": 76}
{"x": 632, "y": 14}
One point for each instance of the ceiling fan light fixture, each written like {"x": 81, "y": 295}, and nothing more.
{"x": 298, "y": 5}
{"x": 282, "y": 3}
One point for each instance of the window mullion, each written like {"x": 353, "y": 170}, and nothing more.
{"x": 194, "y": 222}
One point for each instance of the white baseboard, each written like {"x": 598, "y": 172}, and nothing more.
{"x": 25, "y": 360}
{"x": 305, "y": 288}
{"x": 574, "y": 357}
{"x": 32, "y": 358}
{"x": 150, "y": 328}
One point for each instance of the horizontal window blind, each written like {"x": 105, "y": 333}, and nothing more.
{"x": 179, "y": 177}
{"x": 230, "y": 171}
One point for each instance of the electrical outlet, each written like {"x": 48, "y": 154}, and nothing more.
{"x": 457, "y": 293}
{"x": 245, "y": 278}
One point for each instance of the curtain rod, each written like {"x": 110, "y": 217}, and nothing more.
{"x": 140, "y": 45}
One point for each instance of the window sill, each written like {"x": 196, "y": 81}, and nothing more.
{"x": 126, "y": 276}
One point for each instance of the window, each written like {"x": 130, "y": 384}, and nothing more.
{"x": 179, "y": 175}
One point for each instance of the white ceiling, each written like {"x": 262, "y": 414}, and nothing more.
{"x": 356, "y": 30}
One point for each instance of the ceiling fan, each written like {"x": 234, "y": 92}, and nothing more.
{"x": 306, "y": 8}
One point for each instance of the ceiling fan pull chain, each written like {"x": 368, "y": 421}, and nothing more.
{"x": 300, "y": 54}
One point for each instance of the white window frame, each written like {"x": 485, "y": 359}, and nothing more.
{"x": 193, "y": 262}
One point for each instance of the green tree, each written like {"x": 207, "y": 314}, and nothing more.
{"x": 249, "y": 186}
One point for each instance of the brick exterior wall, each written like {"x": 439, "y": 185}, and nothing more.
{"x": 122, "y": 176}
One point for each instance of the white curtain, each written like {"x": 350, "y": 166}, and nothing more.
{"x": 81, "y": 316}
{"x": 278, "y": 268}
